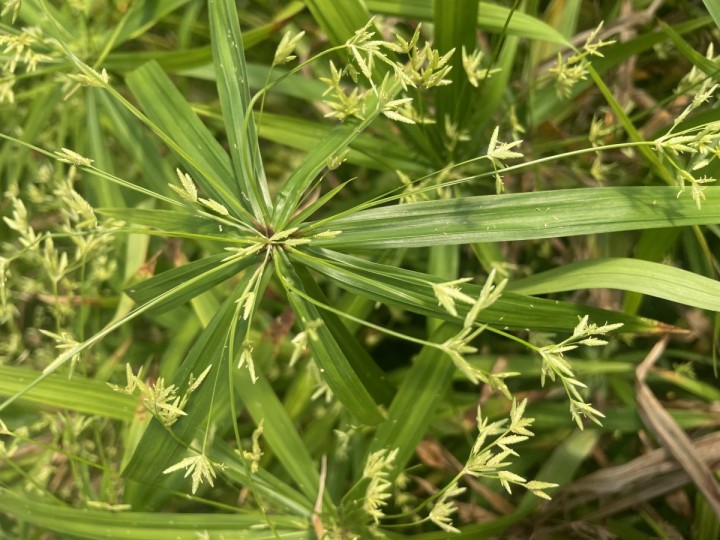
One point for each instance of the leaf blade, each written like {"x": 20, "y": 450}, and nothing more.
{"x": 382, "y": 283}
{"x": 334, "y": 366}
{"x": 519, "y": 216}
{"x": 169, "y": 111}
{"x": 645, "y": 277}
{"x": 232, "y": 83}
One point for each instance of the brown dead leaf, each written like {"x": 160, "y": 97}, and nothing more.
{"x": 670, "y": 435}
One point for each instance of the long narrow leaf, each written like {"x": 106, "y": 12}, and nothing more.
{"x": 521, "y": 216}
{"x": 339, "y": 20}
{"x": 652, "y": 279}
{"x": 334, "y": 366}
{"x": 421, "y": 391}
{"x": 413, "y": 291}
{"x": 206, "y": 160}
{"x": 372, "y": 377}
{"x": 78, "y": 394}
{"x": 210, "y": 268}
{"x": 106, "y": 193}
{"x": 455, "y": 29}
{"x": 158, "y": 449}
{"x": 713, "y": 8}
{"x": 491, "y": 17}
{"x": 302, "y": 176}
{"x": 144, "y": 151}
{"x": 283, "y": 439}
{"x": 93, "y": 524}
{"x": 368, "y": 151}
{"x": 232, "y": 83}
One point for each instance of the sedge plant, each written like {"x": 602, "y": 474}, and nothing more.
{"x": 286, "y": 329}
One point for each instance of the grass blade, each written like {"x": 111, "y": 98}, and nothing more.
{"x": 232, "y": 83}
{"x": 94, "y": 524}
{"x": 106, "y": 193}
{"x": 86, "y": 396}
{"x": 491, "y": 17}
{"x": 303, "y": 176}
{"x": 652, "y": 279}
{"x": 204, "y": 158}
{"x": 370, "y": 151}
{"x": 339, "y": 20}
{"x": 211, "y": 270}
{"x": 158, "y": 449}
{"x": 411, "y": 412}
{"x": 371, "y": 376}
{"x": 279, "y": 431}
{"x": 520, "y": 216}
{"x": 713, "y": 7}
{"x": 334, "y": 366}
{"x": 455, "y": 28}
{"x": 413, "y": 291}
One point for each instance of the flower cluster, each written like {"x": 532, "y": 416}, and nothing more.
{"x": 199, "y": 467}
{"x": 573, "y": 69}
{"x": 163, "y": 402}
{"x": 377, "y": 468}
{"x": 490, "y": 458}
{"x": 556, "y": 366}
{"x": 424, "y": 68}
{"x": 692, "y": 149}
{"x": 19, "y": 48}
{"x": 458, "y": 346}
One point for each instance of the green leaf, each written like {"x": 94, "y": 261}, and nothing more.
{"x": 563, "y": 463}
{"x": 116, "y": 323}
{"x": 170, "y": 112}
{"x": 232, "y": 83}
{"x": 262, "y": 481}
{"x": 106, "y": 193}
{"x": 652, "y": 279}
{"x": 713, "y": 7}
{"x": 142, "y": 149}
{"x": 371, "y": 376}
{"x": 519, "y": 216}
{"x": 158, "y": 449}
{"x": 708, "y": 66}
{"x": 16, "y": 157}
{"x": 494, "y": 89}
{"x": 210, "y": 268}
{"x": 199, "y": 58}
{"x": 169, "y": 222}
{"x": 491, "y": 17}
{"x": 334, "y": 366}
{"x": 145, "y": 15}
{"x": 86, "y": 396}
{"x": 278, "y": 430}
{"x": 653, "y": 245}
{"x": 455, "y": 28}
{"x": 339, "y": 20}
{"x": 413, "y": 291}
{"x": 422, "y": 390}
{"x": 259, "y": 75}
{"x": 292, "y": 191}
{"x": 72, "y": 522}
{"x": 370, "y": 151}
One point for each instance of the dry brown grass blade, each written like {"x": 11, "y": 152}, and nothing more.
{"x": 644, "y": 478}
{"x": 670, "y": 435}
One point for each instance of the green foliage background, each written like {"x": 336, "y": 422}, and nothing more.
{"x": 335, "y": 295}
